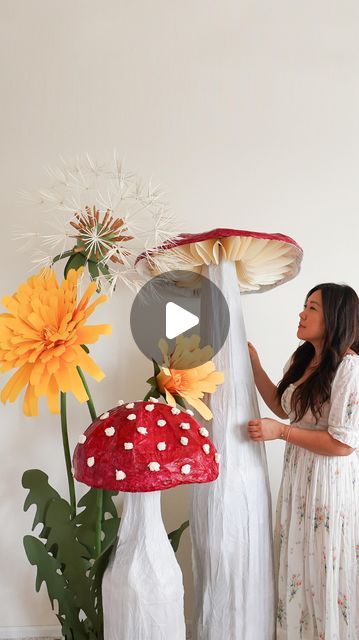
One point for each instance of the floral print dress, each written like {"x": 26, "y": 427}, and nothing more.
{"x": 317, "y": 523}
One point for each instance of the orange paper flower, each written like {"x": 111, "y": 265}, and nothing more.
{"x": 189, "y": 383}
{"x": 41, "y": 337}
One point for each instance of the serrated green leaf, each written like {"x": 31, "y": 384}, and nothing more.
{"x": 40, "y": 494}
{"x": 96, "y": 575}
{"x": 49, "y": 571}
{"x": 71, "y": 554}
{"x": 175, "y": 536}
{"x": 85, "y": 520}
{"x": 110, "y": 529}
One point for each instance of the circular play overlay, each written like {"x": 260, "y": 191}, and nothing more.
{"x": 179, "y": 303}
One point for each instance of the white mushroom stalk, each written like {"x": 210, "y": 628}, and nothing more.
{"x": 142, "y": 586}
{"x": 231, "y": 520}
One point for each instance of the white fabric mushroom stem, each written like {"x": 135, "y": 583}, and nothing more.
{"x": 142, "y": 586}
{"x": 231, "y": 521}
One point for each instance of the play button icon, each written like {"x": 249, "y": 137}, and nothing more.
{"x": 178, "y": 320}
{"x": 178, "y": 303}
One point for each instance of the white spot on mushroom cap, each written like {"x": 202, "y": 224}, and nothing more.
{"x": 120, "y": 403}
{"x": 217, "y": 457}
{"x": 72, "y": 472}
{"x": 90, "y": 461}
{"x": 120, "y": 475}
{"x": 190, "y": 412}
{"x": 149, "y": 407}
{"x": 154, "y": 399}
{"x": 206, "y": 448}
{"x": 130, "y": 405}
{"x": 204, "y": 432}
{"x": 142, "y": 430}
{"x": 185, "y": 425}
{"x": 82, "y": 439}
{"x": 186, "y": 469}
{"x": 110, "y": 431}
{"x": 104, "y": 415}
{"x": 128, "y": 445}
{"x": 154, "y": 466}
{"x": 175, "y": 411}
{"x": 131, "y": 416}
{"x": 161, "y": 446}
{"x": 161, "y": 423}
{"x": 184, "y": 441}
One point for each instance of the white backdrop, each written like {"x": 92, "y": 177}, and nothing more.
{"x": 246, "y": 112}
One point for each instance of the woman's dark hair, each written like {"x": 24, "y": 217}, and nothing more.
{"x": 341, "y": 318}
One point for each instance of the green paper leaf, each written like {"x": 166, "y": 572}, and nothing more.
{"x": 86, "y": 524}
{"x": 180, "y": 401}
{"x": 49, "y": 571}
{"x": 93, "y": 269}
{"x": 103, "y": 268}
{"x": 71, "y": 554}
{"x": 66, "y": 561}
{"x": 75, "y": 261}
{"x": 156, "y": 368}
{"x": 175, "y": 536}
{"x": 40, "y": 494}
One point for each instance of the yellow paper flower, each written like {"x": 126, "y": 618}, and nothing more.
{"x": 41, "y": 337}
{"x": 176, "y": 378}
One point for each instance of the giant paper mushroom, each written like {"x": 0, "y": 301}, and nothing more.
{"x": 141, "y": 448}
{"x": 231, "y": 520}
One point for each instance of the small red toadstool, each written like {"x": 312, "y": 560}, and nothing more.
{"x": 140, "y": 448}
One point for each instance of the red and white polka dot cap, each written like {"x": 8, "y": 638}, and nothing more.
{"x": 145, "y": 446}
{"x": 262, "y": 260}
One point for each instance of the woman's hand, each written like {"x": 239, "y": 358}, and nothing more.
{"x": 254, "y": 357}
{"x": 264, "y": 429}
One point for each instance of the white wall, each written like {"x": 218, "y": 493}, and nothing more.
{"x": 247, "y": 112}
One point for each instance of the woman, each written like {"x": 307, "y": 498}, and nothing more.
{"x": 317, "y": 524}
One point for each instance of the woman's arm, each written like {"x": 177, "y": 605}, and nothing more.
{"x": 265, "y": 386}
{"x": 316, "y": 441}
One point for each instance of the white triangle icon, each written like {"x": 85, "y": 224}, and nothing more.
{"x": 178, "y": 320}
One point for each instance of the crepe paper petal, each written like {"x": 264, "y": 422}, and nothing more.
{"x": 202, "y": 408}
{"x": 42, "y": 338}
{"x": 90, "y": 334}
{"x": 16, "y": 384}
{"x": 53, "y": 396}
{"x": 30, "y": 405}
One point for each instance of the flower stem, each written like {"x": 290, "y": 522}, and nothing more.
{"x": 90, "y": 403}
{"x": 99, "y": 492}
{"x": 65, "y": 442}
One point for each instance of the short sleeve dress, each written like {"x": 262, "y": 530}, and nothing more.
{"x": 317, "y": 523}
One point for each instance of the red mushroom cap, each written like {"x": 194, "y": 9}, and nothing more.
{"x": 144, "y": 446}
{"x": 263, "y": 260}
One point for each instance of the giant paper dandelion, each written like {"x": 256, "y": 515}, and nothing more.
{"x": 101, "y": 218}
{"x": 42, "y": 336}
